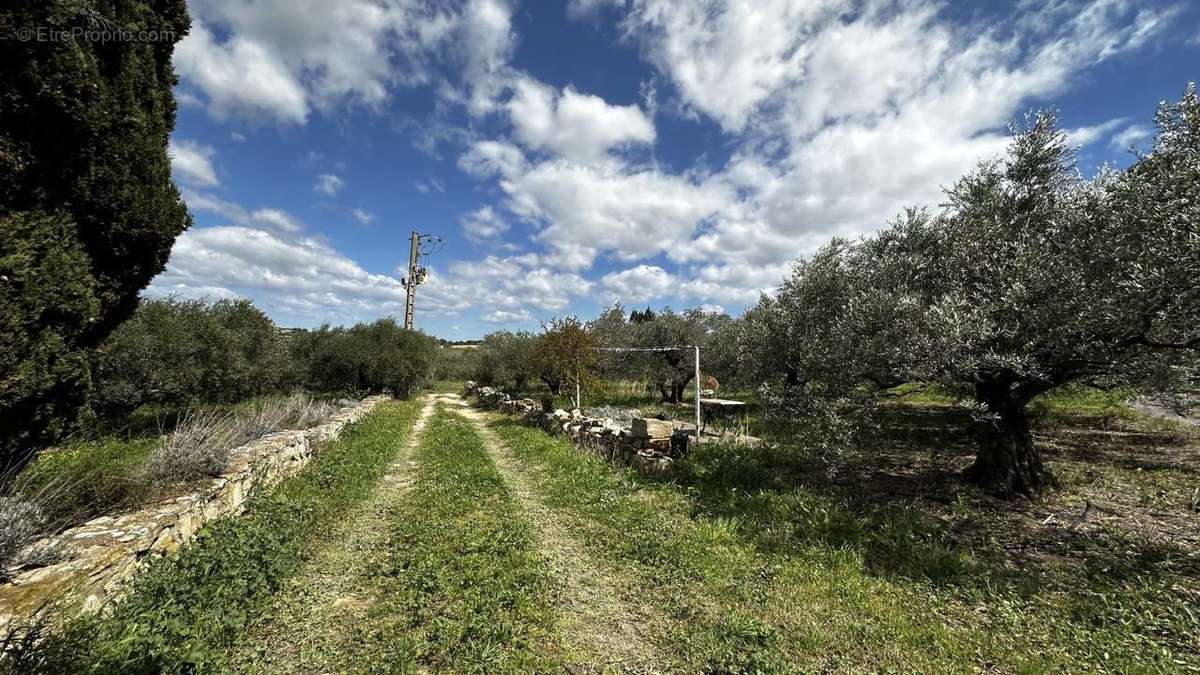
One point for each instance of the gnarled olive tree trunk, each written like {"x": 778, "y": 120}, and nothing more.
{"x": 1007, "y": 463}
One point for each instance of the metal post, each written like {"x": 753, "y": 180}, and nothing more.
{"x": 410, "y": 299}
{"x": 697, "y": 394}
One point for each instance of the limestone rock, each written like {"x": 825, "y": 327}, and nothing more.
{"x": 645, "y": 427}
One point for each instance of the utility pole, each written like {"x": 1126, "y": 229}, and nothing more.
{"x": 417, "y": 273}
{"x": 413, "y": 279}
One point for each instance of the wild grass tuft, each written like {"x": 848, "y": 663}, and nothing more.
{"x": 200, "y": 444}
{"x": 186, "y": 610}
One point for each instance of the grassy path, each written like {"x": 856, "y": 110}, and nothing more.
{"x": 463, "y": 587}
{"x": 187, "y": 611}
{"x": 604, "y": 628}
{"x": 317, "y": 609}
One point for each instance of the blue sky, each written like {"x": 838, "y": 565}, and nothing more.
{"x": 658, "y": 151}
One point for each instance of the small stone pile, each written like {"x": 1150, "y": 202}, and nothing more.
{"x": 649, "y": 445}
{"x": 100, "y": 556}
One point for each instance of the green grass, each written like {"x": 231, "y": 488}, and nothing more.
{"x": 84, "y": 480}
{"x": 759, "y": 574}
{"x": 184, "y": 612}
{"x": 465, "y": 588}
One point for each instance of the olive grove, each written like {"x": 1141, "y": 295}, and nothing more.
{"x": 1028, "y": 278}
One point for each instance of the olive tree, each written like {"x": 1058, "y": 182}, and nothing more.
{"x": 506, "y": 357}
{"x": 565, "y": 354}
{"x": 1029, "y": 278}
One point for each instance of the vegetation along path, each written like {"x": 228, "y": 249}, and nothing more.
{"x": 603, "y": 626}
{"x": 315, "y": 610}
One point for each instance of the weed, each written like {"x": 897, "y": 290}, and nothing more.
{"x": 186, "y": 610}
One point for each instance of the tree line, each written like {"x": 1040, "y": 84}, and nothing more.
{"x": 1028, "y": 278}
{"x": 176, "y": 353}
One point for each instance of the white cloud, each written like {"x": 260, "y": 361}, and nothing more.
{"x": 584, "y": 210}
{"x": 482, "y": 224}
{"x": 431, "y": 185}
{"x": 1082, "y": 136}
{"x": 580, "y": 127}
{"x": 577, "y": 9}
{"x": 276, "y": 218}
{"x": 727, "y": 57}
{"x": 278, "y": 59}
{"x": 506, "y": 317}
{"x": 238, "y": 215}
{"x": 492, "y": 158}
{"x": 839, "y": 118}
{"x": 192, "y": 163}
{"x": 512, "y": 284}
{"x": 240, "y": 77}
{"x": 485, "y": 42}
{"x": 363, "y": 217}
{"x": 1133, "y": 136}
{"x": 639, "y": 284}
{"x": 296, "y": 279}
{"x": 187, "y": 99}
{"x": 328, "y": 184}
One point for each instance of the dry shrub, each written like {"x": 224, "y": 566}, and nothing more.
{"x": 200, "y": 445}
{"x": 25, "y": 522}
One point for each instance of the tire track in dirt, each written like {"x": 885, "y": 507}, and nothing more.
{"x": 316, "y": 609}
{"x": 603, "y": 631}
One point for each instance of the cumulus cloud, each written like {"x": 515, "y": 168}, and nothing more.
{"x": 328, "y": 184}
{"x": 482, "y": 224}
{"x": 192, "y": 163}
{"x": 843, "y": 117}
{"x": 518, "y": 283}
{"x": 577, "y": 9}
{"x": 278, "y": 59}
{"x": 507, "y": 317}
{"x": 1082, "y": 136}
{"x": 276, "y": 218}
{"x": 586, "y": 209}
{"x": 577, "y": 126}
{"x": 639, "y": 284}
{"x": 288, "y": 277}
{"x": 486, "y": 42}
{"x": 362, "y": 216}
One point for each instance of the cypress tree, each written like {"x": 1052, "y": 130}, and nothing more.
{"x": 88, "y": 210}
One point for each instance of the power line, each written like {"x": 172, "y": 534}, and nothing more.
{"x": 420, "y": 247}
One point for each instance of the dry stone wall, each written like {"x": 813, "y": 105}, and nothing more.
{"x": 98, "y": 557}
{"x": 649, "y": 445}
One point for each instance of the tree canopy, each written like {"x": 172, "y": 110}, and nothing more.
{"x": 1029, "y": 278}
{"x": 88, "y": 211}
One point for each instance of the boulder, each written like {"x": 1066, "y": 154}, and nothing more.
{"x": 644, "y": 427}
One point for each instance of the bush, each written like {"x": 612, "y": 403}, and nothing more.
{"x": 181, "y": 353}
{"x": 375, "y": 358}
{"x": 90, "y": 212}
{"x": 455, "y": 364}
{"x": 200, "y": 445}
{"x": 506, "y": 359}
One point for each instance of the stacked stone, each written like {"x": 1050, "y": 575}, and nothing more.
{"x": 98, "y": 557}
{"x": 649, "y": 445}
